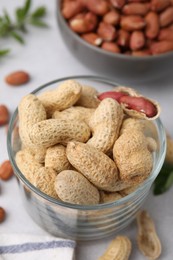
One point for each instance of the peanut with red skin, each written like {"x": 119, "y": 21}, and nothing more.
{"x": 6, "y": 170}
{"x": 110, "y": 46}
{"x": 140, "y": 53}
{"x": 161, "y": 47}
{"x": 71, "y": 8}
{"x": 136, "y": 9}
{"x": 123, "y": 38}
{"x": 132, "y": 22}
{"x": 17, "y": 78}
{"x": 166, "y": 17}
{"x": 137, "y": 40}
{"x": 159, "y": 5}
{"x": 106, "y": 31}
{"x": 165, "y": 34}
{"x": 98, "y": 7}
{"x": 83, "y": 23}
{"x": 118, "y": 3}
{"x": 139, "y": 104}
{"x": 152, "y": 25}
{"x": 4, "y": 115}
{"x": 112, "y": 17}
{"x": 2, "y": 214}
{"x": 111, "y": 94}
{"x": 92, "y": 38}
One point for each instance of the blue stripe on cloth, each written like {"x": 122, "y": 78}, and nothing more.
{"x": 26, "y": 247}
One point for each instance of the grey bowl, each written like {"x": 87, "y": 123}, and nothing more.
{"x": 122, "y": 67}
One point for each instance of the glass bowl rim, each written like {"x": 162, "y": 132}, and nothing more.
{"x": 105, "y": 52}
{"x": 54, "y": 201}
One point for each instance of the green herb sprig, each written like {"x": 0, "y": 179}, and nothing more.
{"x": 164, "y": 180}
{"x": 23, "y": 17}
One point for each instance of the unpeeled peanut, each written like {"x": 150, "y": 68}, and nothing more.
{"x": 44, "y": 180}
{"x": 96, "y": 166}
{"x": 30, "y": 111}
{"x": 132, "y": 156}
{"x": 73, "y": 187}
{"x": 56, "y": 158}
{"x": 53, "y": 131}
{"x": 27, "y": 164}
{"x": 106, "y": 197}
{"x": 64, "y": 96}
{"x": 105, "y": 124}
{"x": 75, "y": 113}
{"x": 88, "y": 97}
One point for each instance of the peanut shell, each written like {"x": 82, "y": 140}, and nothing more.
{"x": 97, "y": 167}
{"x": 56, "y": 158}
{"x": 147, "y": 239}
{"x": 73, "y": 187}
{"x": 64, "y": 96}
{"x": 105, "y": 124}
{"x": 53, "y": 131}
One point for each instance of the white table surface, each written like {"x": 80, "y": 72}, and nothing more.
{"x": 46, "y": 58}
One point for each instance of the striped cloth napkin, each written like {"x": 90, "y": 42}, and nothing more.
{"x": 31, "y": 247}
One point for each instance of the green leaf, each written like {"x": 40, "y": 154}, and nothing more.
{"x": 39, "y": 12}
{"x": 164, "y": 180}
{"x": 38, "y": 23}
{"x": 26, "y": 7}
{"x": 20, "y": 15}
{"x": 7, "y": 17}
{"x": 4, "y": 52}
{"x": 17, "y": 37}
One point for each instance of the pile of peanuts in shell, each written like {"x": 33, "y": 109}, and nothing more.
{"x": 130, "y": 27}
{"x": 85, "y": 147}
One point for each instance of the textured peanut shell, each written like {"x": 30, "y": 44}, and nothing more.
{"x": 129, "y": 190}
{"x": 88, "y": 97}
{"x": 53, "y": 131}
{"x": 119, "y": 249}
{"x": 106, "y": 197}
{"x": 132, "y": 124}
{"x": 27, "y": 164}
{"x": 30, "y": 111}
{"x": 73, "y": 187}
{"x": 44, "y": 180}
{"x": 147, "y": 238}
{"x": 132, "y": 156}
{"x": 105, "y": 124}
{"x": 169, "y": 150}
{"x": 97, "y": 167}
{"x": 134, "y": 113}
{"x": 56, "y": 158}
{"x": 75, "y": 113}
{"x": 64, "y": 96}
